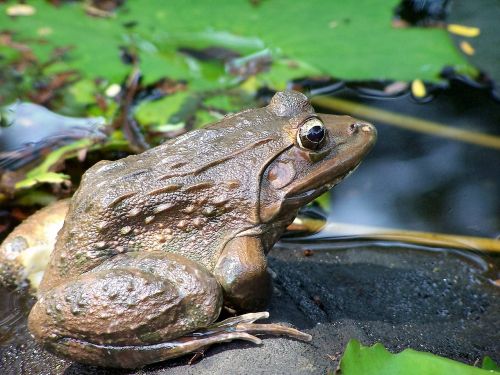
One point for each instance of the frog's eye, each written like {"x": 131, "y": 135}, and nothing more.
{"x": 311, "y": 134}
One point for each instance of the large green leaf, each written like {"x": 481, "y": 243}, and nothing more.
{"x": 489, "y": 364}
{"x": 350, "y": 40}
{"x": 376, "y": 360}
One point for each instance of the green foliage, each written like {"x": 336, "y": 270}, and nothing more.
{"x": 281, "y": 40}
{"x": 350, "y": 40}
{"x": 489, "y": 364}
{"x": 160, "y": 111}
{"x": 43, "y": 174}
{"x": 266, "y": 43}
{"x": 376, "y": 360}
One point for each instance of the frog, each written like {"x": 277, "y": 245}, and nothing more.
{"x": 154, "y": 246}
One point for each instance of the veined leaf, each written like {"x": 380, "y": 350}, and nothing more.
{"x": 376, "y": 360}
{"x": 349, "y": 40}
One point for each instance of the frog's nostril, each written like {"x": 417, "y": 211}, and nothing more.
{"x": 357, "y": 126}
{"x": 353, "y": 128}
{"x": 367, "y": 128}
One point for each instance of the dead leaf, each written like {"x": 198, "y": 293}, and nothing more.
{"x": 467, "y": 48}
{"x": 46, "y": 91}
{"x": 20, "y": 10}
{"x": 125, "y": 119}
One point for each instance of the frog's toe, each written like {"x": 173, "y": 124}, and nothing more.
{"x": 245, "y": 324}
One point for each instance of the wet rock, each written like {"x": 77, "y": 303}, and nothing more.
{"x": 435, "y": 302}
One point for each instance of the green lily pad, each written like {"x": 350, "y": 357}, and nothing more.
{"x": 376, "y": 360}
{"x": 160, "y": 111}
{"x": 489, "y": 364}
{"x": 350, "y": 40}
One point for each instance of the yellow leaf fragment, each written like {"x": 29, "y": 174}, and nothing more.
{"x": 250, "y": 84}
{"x": 462, "y": 30}
{"x": 20, "y": 10}
{"x": 467, "y": 48}
{"x": 418, "y": 89}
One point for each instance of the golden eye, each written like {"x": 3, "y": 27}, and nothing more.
{"x": 311, "y": 134}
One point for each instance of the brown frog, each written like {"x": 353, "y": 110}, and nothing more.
{"x": 155, "y": 244}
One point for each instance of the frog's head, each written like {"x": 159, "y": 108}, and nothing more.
{"x": 322, "y": 150}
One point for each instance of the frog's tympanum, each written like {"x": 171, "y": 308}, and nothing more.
{"x": 155, "y": 244}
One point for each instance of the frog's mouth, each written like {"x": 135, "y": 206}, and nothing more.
{"x": 303, "y": 197}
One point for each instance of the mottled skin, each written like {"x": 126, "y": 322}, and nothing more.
{"x": 154, "y": 244}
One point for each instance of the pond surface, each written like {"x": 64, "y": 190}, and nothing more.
{"x": 420, "y": 181}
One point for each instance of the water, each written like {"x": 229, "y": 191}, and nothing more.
{"x": 14, "y": 307}
{"x": 418, "y": 181}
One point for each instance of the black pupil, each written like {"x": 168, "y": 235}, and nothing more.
{"x": 316, "y": 134}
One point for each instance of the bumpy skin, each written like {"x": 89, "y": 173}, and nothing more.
{"x": 154, "y": 243}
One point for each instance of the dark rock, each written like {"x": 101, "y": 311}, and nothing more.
{"x": 429, "y": 301}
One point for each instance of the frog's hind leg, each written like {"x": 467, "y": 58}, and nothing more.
{"x": 238, "y": 328}
{"x": 120, "y": 313}
{"x": 139, "y": 308}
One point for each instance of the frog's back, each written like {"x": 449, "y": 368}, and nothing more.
{"x": 189, "y": 196}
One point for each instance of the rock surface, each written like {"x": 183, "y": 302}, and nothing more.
{"x": 439, "y": 302}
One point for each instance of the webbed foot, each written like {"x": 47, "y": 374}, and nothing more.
{"x": 244, "y": 325}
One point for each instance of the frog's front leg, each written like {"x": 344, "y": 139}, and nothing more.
{"x": 242, "y": 272}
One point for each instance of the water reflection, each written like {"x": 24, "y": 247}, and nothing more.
{"x": 12, "y": 311}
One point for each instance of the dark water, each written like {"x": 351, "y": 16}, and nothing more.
{"x": 422, "y": 182}
{"x": 14, "y": 306}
